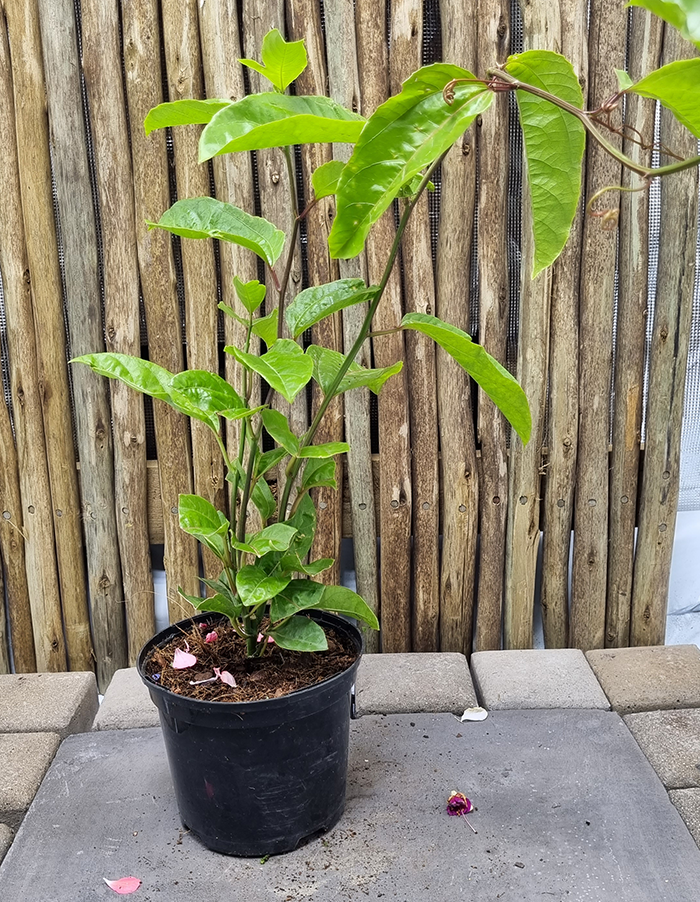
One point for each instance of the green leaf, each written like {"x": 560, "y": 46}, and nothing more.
{"x": 277, "y": 120}
{"x": 623, "y": 80}
{"x": 250, "y": 294}
{"x": 282, "y": 60}
{"x": 199, "y": 518}
{"x": 292, "y": 563}
{"x": 496, "y": 381}
{"x": 682, "y": 14}
{"x": 677, "y": 87}
{"x": 229, "y": 311}
{"x": 327, "y": 363}
{"x": 304, "y": 521}
{"x": 284, "y": 367}
{"x": 182, "y": 112}
{"x": 218, "y": 604}
{"x": 263, "y": 499}
{"x": 277, "y": 426}
{"x": 329, "y": 449}
{"x": 410, "y": 189}
{"x": 266, "y": 327}
{"x": 206, "y": 217}
{"x": 319, "y": 473}
{"x": 208, "y": 392}
{"x": 403, "y": 136}
{"x": 344, "y": 601}
{"x": 277, "y": 537}
{"x": 324, "y": 180}
{"x": 270, "y": 458}
{"x": 255, "y": 586}
{"x": 554, "y": 144}
{"x": 297, "y": 596}
{"x": 241, "y": 413}
{"x": 300, "y": 634}
{"x": 314, "y": 304}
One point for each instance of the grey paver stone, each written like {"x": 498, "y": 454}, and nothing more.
{"x": 549, "y": 678}
{"x": 62, "y": 703}
{"x": 648, "y": 678}
{"x": 126, "y": 704}
{"x": 671, "y": 742}
{"x": 24, "y": 759}
{"x": 687, "y": 801}
{"x": 5, "y": 840}
{"x": 433, "y": 682}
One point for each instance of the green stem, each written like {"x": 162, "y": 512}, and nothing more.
{"x": 240, "y": 533}
{"x": 292, "y": 243}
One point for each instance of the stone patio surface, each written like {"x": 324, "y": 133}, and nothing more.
{"x": 568, "y": 809}
{"x": 671, "y": 742}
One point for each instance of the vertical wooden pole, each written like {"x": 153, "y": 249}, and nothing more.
{"x": 606, "y": 44}
{"x": 395, "y": 491}
{"x": 151, "y": 194}
{"x": 493, "y": 18}
{"x": 82, "y": 294}
{"x": 459, "y": 515}
{"x": 42, "y": 254}
{"x": 344, "y": 87}
{"x": 419, "y": 288}
{"x": 113, "y": 174}
{"x": 667, "y": 372}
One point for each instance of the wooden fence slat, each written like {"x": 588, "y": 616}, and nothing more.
{"x": 42, "y": 253}
{"x": 4, "y": 636}
{"x": 562, "y": 439}
{"x": 101, "y": 46}
{"x": 82, "y": 299}
{"x": 394, "y": 439}
{"x": 419, "y": 291}
{"x": 185, "y": 79}
{"x": 150, "y": 170}
{"x": 304, "y": 22}
{"x": 643, "y": 56}
{"x": 459, "y": 511}
{"x": 493, "y": 28}
{"x": 344, "y": 87}
{"x": 606, "y": 42}
{"x": 667, "y": 372}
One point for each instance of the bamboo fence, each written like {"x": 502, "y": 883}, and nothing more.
{"x": 465, "y": 515}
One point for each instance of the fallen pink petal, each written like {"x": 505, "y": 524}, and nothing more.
{"x": 212, "y": 636}
{"x": 260, "y": 637}
{"x": 183, "y": 659}
{"x": 458, "y": 804}
{"x": 124, "y": 886}
{"x": 225, "y": 677}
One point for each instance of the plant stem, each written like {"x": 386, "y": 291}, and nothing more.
{"x": 292, "y": 243}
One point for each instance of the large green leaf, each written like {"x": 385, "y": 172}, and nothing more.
{"x": 218, "y": 604}
{"x": 682, "y": 14}
{"x": 277, "y": 120}
{"x": 327, "y": 363}
{"x": 341, "y": 600}
{"x": 208, "y": 392}
{"x": 266, "y": 327}
{"x": 182, "y": 112}
{"x": 277, "y": 537}
{"x": 282, "y": 60}
{"x": 277, "y": 425}
{"x": 319, "y": 472}
{"x": 402, "y": 137}
{"x": 206, "y": 217}
{"x": 284, "y": 367}
{"x": 314, "y": 304}
{"x": 300, "y": 634}
{"x": 255, "y": 586}
{"x": 292, "y": 562}
{"x": 496, "y": 381}
{"x": 298, "y": 595}
{"x": 677, "y": 87}
{"x": 250, "y": 294}
{"x": 554, "y": 144}
{"x": 324, "y": 180}
{"x": 199, "y": 518}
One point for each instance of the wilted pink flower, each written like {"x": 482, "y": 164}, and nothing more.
{"x": 123, "y": 886}
{"x": 270, "y": 640}
{"x": 212, "y": 636}
{"x": 225, "y": 677}
{"x": 203, "y": 626}
{"x": 458, "y": 804}
{"x": 183, "y": 659}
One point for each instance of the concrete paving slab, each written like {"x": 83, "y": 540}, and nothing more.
{"x": 62, "y": 703}
{"x": 5, "y": 840}
{"x": 428, "y": 682}
{"x": 547, "y": 678}
{"x": 648, "y": 679}
{"x": 568, "y": 809}
{"x": 127, "y": 704}
{"x": 671, "y": 742}
{"x": 687, "y": 801}
{"x": 24, "y": 759}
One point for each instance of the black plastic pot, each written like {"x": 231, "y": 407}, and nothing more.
{"x": 257, "y": 778}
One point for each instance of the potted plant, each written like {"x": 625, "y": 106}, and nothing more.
{"x": 254, "y": 690}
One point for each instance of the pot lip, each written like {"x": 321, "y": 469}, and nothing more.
{"x": 256, "y": 704}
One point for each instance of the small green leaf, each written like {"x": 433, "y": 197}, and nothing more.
{"x": 682, "y": 14}
{"x": 319, "y": 473}
{"x": 206, "y": 217}
{"x": 271, "y": 458}
{"x": 677, "y": 87}
{"x": 284, "y": 367}
{"x": 242, "y": 413}
{"x": 304, "y": 521}
{"x": 496, "y": 381}
{"x": 256, "y": 586}
{"x": 327, "y": 363}
{"x": 297, "y": 596}
{"x": 199, "y": 518}
{"x": 278, "y": 120}
{"x": 314, "y": 304}
{"x": 324, "y": 180}
{"x": 300, "y": 634}
{"x": 242, "y": 546}
{"x": 277, "y": 537}
{"x": 410, "y": 189}
{"x": 329, "y": 449}
{"x": 344, "y": 601}
{"x": 292, "y": 563}
{"x": 277, "y": 426}
{"x": 229, "y": 311}
{"x": 282, "y": 61}
{"x": 266, "y": 327}
{"x": 554, "y": 144}
{"x": 182, "y": 112}
{"x": 250, "y": 294}
{"x": 623, "y": 80}
{"x": 263, "y": 499}
{"x": 218, "y": 604}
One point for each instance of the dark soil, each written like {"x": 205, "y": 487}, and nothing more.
{"x": 277, "y": 672}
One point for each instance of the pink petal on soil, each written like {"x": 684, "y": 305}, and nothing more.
{"x": 225, "y": 677}
{"x": 183, "y": 659}
{"x": 458, "y": 804}
{"x": 211, "y": 637}
{"x": 124, "y": 886}
{"x": 260, "y": 637}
